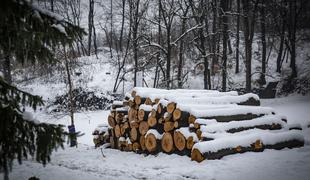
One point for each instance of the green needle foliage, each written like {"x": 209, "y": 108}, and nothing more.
{"x": 21, "y": 137}
{"x": 30, "y": 33}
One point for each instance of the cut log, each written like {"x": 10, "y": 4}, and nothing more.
{"x": 143, "y": 115}
{"x": 180, "y": 115}
{"x": 154, "y": 114}
{"x": 218, "y": 148}
{"x": 266, "y": 126}
{"x": 176, "y": 124}
{"x": 112, "y": 142}
{"x": 134, "y": 135}
{"x": 245, "y": 99}
{"x": 134, "y": 124}
{"x": 239, "y": 117}
{"x": 271, "y": 122}
{"x": 123, "y": 110}
{"x": 199, "y": 133}
{"x": 159, "y": 109}
{"x": 122, "y": 130}
{"x": 132, "y": 114}
{"x": 288, "y": 144}
{"x": 190, "y": 142}
{"x": 118, "y": 104}
{"x": 133, "y": 93}
{"x": 142, "y": 143}
{"x": 156, "y": 101}
{"x": 168, "y": 126}
{"x": 181, "y": 123}
{"x": 236, "y": 113}
{"x": 191, "y": 119}
{"x": 117, "y": 131}
{"x": 171, "y": 107}
{"x": 177, "y": 114}
{"x": 143, "y": 127}
{"x": 148, "y": 101}
{"x": 151, "y": 143}
{"x": 151, "y": 121}
{"x": 129, "y": 147}
{"x": 111, "y": 121}
{"x": 179, "y": 140}
{"x": 121, "y": 143}
{"x": 126, "y": 125}
{"x": 131, "y": 103}
{"x": 167, "y": 142}
{"x": 136, "y": 146}
{"x": 197, "y": 156}
{"x": 250, "y": 102}
{"x": 196, "y": 125}
{"x": 137, "y": 100}
{"x": 167, "y": 116}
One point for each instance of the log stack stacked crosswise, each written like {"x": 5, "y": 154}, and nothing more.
{"x": 201, "y": 124}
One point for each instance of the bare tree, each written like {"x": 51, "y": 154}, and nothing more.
{"x": 237, "y": 37}
{"x": 263, "y": 40}
{"x": 184, "y": 20}
{"x": 249, "y": 11}
{"x": 90, "y": 24}
{"x": 224, "y": 9}
{"x": 136, "y": 14}
{"x": 199, "y": 16}
{"x": 168, "y": 12}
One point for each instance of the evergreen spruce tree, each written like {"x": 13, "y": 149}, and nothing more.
{"x": 30, "y": 33}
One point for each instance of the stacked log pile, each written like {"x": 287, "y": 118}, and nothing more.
{"x": 201, "y": 124}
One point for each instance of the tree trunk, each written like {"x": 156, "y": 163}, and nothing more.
{"x": 224, "y": 6}
{"x": 52, "y": 5}
{"x": 90, "y": 24}
{"x": 158, "y": 54}
{"x": 279, "y": 58}
{"x": 95, "y": 40}
{"x": 237, "y": 37}
{"x": 214, "y": 37}
{"x": 168, "y": 64}
{"x": 292, "y": 37}
{"x": 135, "y": 20}
{"x": 180, "y": 63}
{"x": 249, "y": 22}
{"x": 263, "y": 39}
{"x": 71, "y": 101}
{"x": 7, "y": 69}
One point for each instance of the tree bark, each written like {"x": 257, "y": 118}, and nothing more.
{"x": 90, "y": 24}
{"x": 7, "y": 69}
{"x": 237, "y": 37}
{"x": 224, "y": 6}
{"x": 249, "y": 21}
{"x": 292, "y": 36}
{"x": 71, "y": 101}
{"x": 264, "y": 47}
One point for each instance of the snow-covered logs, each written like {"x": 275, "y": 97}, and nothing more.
{"x": 202, "y": 124}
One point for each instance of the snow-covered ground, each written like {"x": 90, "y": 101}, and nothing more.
{"x": 86, "y": 162}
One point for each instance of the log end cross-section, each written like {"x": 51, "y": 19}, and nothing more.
{"x": 167, "y": 143}
{"x": 179, "y": 140}
{"x": 151, "y": 142}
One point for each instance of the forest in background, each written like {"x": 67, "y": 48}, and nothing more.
{"x": 175, "y": 39}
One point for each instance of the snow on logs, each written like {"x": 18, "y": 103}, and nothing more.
{"x": 255, "y": 141}
{"x": 201, "y": 124}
